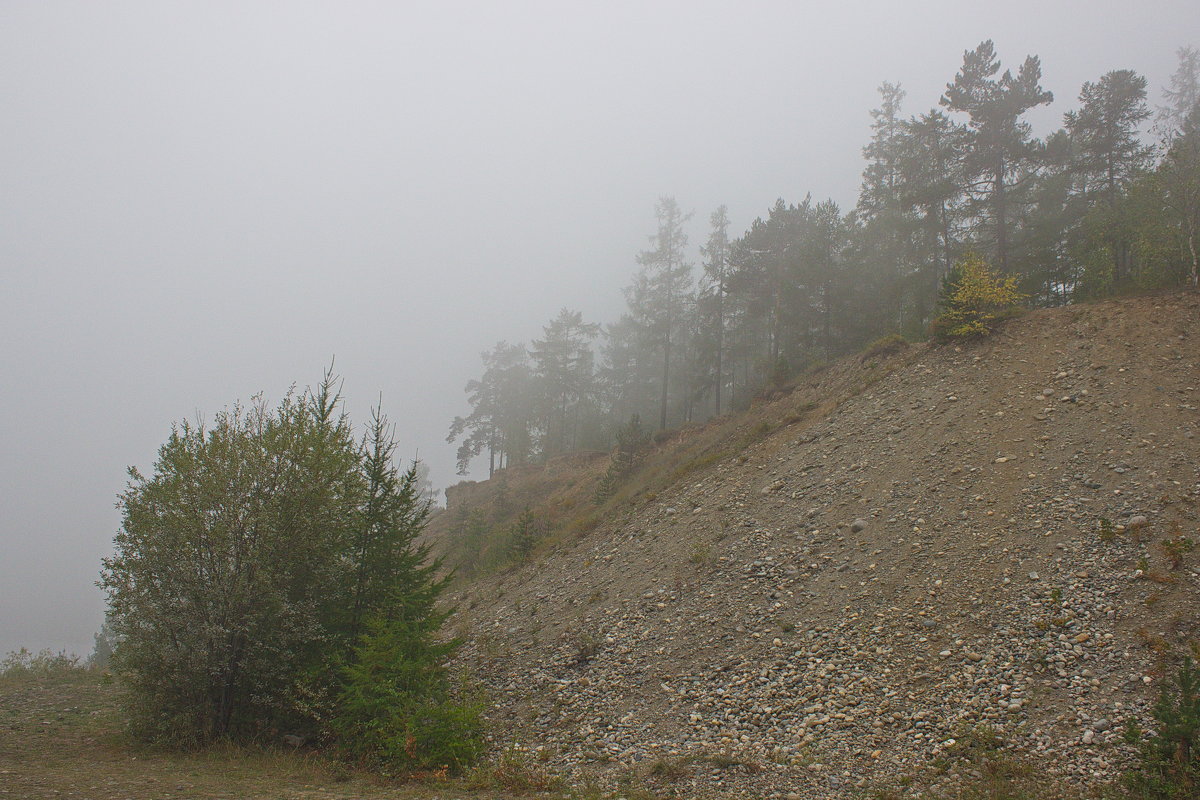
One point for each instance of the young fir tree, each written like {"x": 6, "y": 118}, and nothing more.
{"x": 523, "y": 536}
{"x": 1170, "y": 763}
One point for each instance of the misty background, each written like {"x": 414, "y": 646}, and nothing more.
{"x": 204, "y": 201}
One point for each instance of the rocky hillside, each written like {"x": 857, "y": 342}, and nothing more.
{"x": 909, "y": 551}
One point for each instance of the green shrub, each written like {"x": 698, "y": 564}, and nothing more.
{"x": 1176, "y": 548}
{"x": 587, "y": 645}
{"x": 701, "y": 554}
{"x": 396, "y": 710}
{"x": 23, "y": 662}
{"x": 1170, "y": 760}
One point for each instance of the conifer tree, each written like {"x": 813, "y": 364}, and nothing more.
{"x": 1108, "y": 154}
{"x": 1002, "y": 151}
{"x": 661, "y": 296}
{"x": 1178, "y": 177}
{"x": 501, "y": 411}
{"x": 563, "y": 366}
{"x": 1183, "y": 96}
{"x": 712, "y": 299}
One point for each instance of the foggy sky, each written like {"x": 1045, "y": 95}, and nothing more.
{"x": 202, "y": 201}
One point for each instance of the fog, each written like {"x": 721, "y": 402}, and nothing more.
{"x": 203, "y": 201}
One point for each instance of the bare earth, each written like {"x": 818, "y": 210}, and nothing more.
{"x": 836, "y": 590}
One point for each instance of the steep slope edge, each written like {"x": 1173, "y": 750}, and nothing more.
{"x": 910, "y": 549}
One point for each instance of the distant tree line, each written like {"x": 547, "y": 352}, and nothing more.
{"x": 1091, "y": 210}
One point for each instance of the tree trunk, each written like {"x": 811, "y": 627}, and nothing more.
{"x": 662, "y": 421}
{"x": 1191, "y": 239}
{"x": 998, "y": 201}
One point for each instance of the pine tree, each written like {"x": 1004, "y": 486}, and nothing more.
{"x": 1002, "y": 151}
{"x": 1106, "y": 136}
{"x": 932, "y": 153}
{"x": 1108, "y": 154}
{"x": 1184, "y": 95}
{"x": 501, "y": 411}
{"x": 563, "y": 367}
{"x": 885, "y": 221}
{"x": 661, "y": 296}
{"x": 712, "y": 300}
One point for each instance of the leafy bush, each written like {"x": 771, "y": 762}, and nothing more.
{"x": 267, "y": 580}
{"x": 974, "y": 298}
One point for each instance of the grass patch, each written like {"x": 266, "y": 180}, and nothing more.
{"x": 63, "y": 737}
{"x": 730, "y": 761}
{"x": 669, "y": 769}
{"x": 697, "y": 463}
{"x": 884, "y": 346}
{"x": 979, "y": 767}
{"x": 515, "y": 771}
{"x": 701, "y": 555}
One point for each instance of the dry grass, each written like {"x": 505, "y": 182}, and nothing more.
{"x": 977, "y": 767}
{"x": 60, "y": 737}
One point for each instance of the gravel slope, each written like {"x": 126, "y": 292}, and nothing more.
{"x": 917, "y": 545}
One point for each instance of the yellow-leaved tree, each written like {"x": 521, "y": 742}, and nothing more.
{"x": 973, "y": 298}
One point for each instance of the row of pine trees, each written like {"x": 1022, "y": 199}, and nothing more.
{"x": 1096, "y": 208}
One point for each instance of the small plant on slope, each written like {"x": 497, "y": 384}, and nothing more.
{"x": 1170, "y": 765}
{"x": 632, "y": 439}
{"x": 974, "y": 298}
